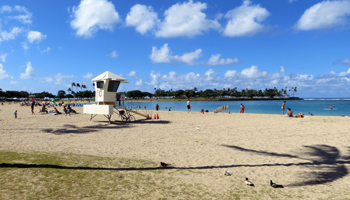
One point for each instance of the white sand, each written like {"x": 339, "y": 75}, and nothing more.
{"x": 314, "y": 150}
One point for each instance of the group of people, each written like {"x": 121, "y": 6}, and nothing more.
{"x": 290, "y": 112}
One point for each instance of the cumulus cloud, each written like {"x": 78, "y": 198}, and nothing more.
{"x": 139, "y": 82}
{"x": 215, "y": 60}
{"x": 324, "y": 15}
{"x": 132, "y": 73}
{"x": 3, "y": 57}
{"x": 3, "y": 73}
{"x": 35, "y": 36}
{"x": 10, "y": 35}
{"x": 92, "y": 15}
{"x": 25, "y": 46}
{"x": 24, "y": 17}
{"x": 58, "y": 79}
{"x": 29, "y": 72}
{"x": 113, "y": 54}
{"x": 142, "y": 17}
{"x": 230, "y": 73}
{"x": 163, "y": 55}
{"x": 245, "y": 20}
{"x": 186, "y": 19}
{"x": 87, "y": 76}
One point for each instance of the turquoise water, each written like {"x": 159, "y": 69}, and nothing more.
{"x": 315, "y": 106}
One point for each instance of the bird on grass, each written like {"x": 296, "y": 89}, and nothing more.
{"x": 247, "y": 182}
{"x": 164, "y": 165}
{"x": 274, "y": 185}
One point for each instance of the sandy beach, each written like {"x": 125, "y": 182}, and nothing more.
{"x": 310, "y": 156}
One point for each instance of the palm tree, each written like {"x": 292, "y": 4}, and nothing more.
{"x": 78, "y": 85}
{"x": 73, "y": 85}
{"x": 83, "y": 86}
{"x": 69, "y": 90}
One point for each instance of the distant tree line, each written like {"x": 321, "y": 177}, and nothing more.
{"x": 194, "y": 93}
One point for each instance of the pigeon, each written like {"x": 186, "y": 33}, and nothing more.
{"x": 164, "y": 165}
{"x": 274, "y": 185}
{"x": 248, "y": 182}
{"x": 227, "y": 173}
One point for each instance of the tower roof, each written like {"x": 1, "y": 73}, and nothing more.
{"x": 109, "y": 75}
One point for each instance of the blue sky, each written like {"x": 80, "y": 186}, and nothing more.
{"x": 47, "y": 45}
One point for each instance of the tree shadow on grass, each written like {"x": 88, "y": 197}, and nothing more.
{"x": 324, "y": 161}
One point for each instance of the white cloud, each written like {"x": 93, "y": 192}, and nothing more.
{"x": 13, "y": 82}
{"x": 186, "y": 19}
{"x": 163, "y": 55}
{"x": 245, "y": 20}
{"x": 215, "y": 60}
{"x": 138, "y": 82}
{"x": 35, "y": 36}
{"x": 160, "y": 56}
{"x": 10, "y": 35}
{"x": 132, "y": 73}
{"x": 324, "y": 15}
{"x": 345, "y": 62}
{"x": 47, "y": 50}
{"x": 3, "y": 73}
{"x": 3, "y": 57}
{"x": 230, "y": 73}
{"x": 29, "y": 72}
{"x": 92, "y": 15}
{"x": 23, "y": 18}
{"x": 87, "y": 76}
{"x": 344, "y": 73}
{"x": 113, "y": 54}
{"x": 291, "y": 1}
{"x": 142, "y": 17}
{"x": 251, "y": 72}
{"x": 188, "y": 58}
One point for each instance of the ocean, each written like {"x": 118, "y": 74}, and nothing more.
{"x": 318, "y": 107}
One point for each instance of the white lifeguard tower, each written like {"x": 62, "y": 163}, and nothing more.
{"x": 106, "y": 87}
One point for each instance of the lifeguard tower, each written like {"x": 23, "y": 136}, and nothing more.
{"x": 106, "y": 87}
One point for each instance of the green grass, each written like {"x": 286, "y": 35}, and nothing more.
{"x": 71, "y": 176}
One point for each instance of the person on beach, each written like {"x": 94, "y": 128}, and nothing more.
{"x": 157, "y": 107}
{"x": 300, "y": 115}
{"x": 242, "y": 108}
{"x": 283, "y": 106}
{"x": 188, "y": 106}
{"x": 15, "y": 114}
{"x": 32, "y": 107}
{"x": 289, "y": 112}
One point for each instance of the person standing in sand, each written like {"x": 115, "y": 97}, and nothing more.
{"x": 242, "y": 108}
{"x": 188, "y": 106}
{"x": 32, "y": 107}
{"x": 283, "y": 106}
{"x": 15, "y": 114}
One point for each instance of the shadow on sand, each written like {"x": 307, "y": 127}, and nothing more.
{"x": 324, "y": 163}
{"x": 72, "y": 129}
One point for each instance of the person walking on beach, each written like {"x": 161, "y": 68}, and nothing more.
{"x": 283, "y": 106}
{"x": 242, "y": 108}
{"x": 15, "y": 114}
{"x": 188, "y": 106}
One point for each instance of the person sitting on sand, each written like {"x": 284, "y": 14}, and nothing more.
{"x": 289, "y": 112}
{"x": 43, "y": 109}
{"x": 311, "y": 114}
{"x": 56, "y": 111}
